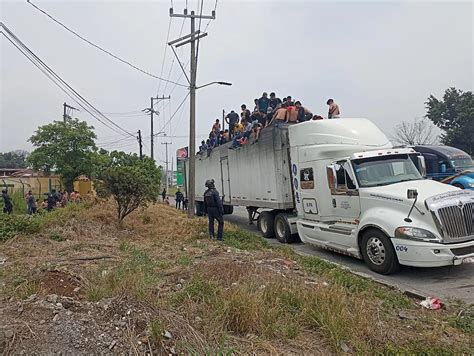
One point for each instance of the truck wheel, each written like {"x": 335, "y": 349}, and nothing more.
{"x": 228, "y": 209}
{"x": 265, "y": 224}
{"x": 378, "y": 252}
{"x": 458, "y": 185}
{"x": 199, "y": 208}
{"x": 282, "y": 230}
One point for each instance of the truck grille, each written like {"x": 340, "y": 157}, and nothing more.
{"x": 457, "y": 221}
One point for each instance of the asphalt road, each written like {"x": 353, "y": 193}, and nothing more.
{"x": 442, "y": 282}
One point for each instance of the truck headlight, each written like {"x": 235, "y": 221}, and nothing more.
{"x": 470, "y": 185}
{"x": 406, "y": 232}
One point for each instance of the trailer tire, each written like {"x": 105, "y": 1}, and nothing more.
{"x": 378, "y": 252}
{"x": 199, "y": 208}
{"x": 265, "y": 224}
{"x": 282, "y": 230}
{"x": 228, "y": 209}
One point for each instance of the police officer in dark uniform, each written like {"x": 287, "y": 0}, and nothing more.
{"x": 214, "y": 209}
{"x": 8, "y": 206}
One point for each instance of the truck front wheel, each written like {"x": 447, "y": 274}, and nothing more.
{"x": 378, "y": 252}
{"x": 265, "y": 224}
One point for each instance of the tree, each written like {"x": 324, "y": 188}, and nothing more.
{"x": 13, "y": 159}
{"x": 65, "y": 148}
{"x": 455, "y": 116}
{"x": 417, "y": 132}
{"x": 131, "y": 181}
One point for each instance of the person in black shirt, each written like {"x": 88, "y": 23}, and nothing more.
{"x": 275, "y": 102}
{"x": 8, "y": 206}
{"x": 214, "y": 208}
{"x": 232, "y": 119}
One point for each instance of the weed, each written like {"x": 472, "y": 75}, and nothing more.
{"x": 184, "y": 260}
{"x": 244, "y": 240}
{"x": 464, "y": 320}
{"x": 146, "y": 219}
{"x": 134, "y": 277}
{"x": 156, "y": 330}
{"x": 197, "y": 290}
{"x": 56, "y": 236}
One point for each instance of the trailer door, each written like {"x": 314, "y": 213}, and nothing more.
{"x": 225, "y": 180}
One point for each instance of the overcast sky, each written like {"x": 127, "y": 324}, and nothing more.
{"x": 379, "y": 60}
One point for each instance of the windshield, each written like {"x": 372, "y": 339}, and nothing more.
{"x": 464, "y": 162}
{"x": 384, "y": 170}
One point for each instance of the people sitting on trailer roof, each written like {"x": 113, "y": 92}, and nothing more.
{"x": 203, "y": 147}
{"x": 275, "y": 102}
{"x": 303, "y": 114}
{"x": 334, "y": 112}
{"x": 292, "y": 112}
{"x": 263, "y": 103}
{"x": 216, "y": 127}
{"x": 245, "y": 114}
{"x": 281, "y": 115}
{"x": 226, "y": 136}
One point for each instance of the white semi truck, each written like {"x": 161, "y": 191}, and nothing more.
{"x": 340, "y": 184}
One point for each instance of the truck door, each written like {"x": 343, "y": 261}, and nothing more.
{"x": 225, "y": 180}
{"x": 344, "y": 192}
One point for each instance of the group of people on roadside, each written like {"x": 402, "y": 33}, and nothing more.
{"x": 180, "y": 200}
{"x": 53, "y": 199}
{"x": 268, "y": 111}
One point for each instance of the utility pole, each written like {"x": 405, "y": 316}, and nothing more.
{"x": 151, "y": 111}
{"x": 167, "y": 172}
{"x": 140, "y": 143}
{"x": 223, "y": 120}
{"x": 194, "y": 35}
{"x": 65, "y": 114}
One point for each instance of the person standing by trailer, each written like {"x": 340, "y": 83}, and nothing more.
{"x": 179, "y": 198}
{"x": 163, "y": 194}
{"x": 214, "y": 209}
{"x": 8, "y": 206}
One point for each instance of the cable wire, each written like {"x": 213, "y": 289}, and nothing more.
{"x": 79, "y": 99}
{"x": 99, "y": 47}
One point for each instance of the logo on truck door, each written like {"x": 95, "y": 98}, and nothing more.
{"x": 307, "y": 178}
{"x": 310, "y": 206}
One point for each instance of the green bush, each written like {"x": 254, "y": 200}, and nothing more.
{"x": 12, "y": 225}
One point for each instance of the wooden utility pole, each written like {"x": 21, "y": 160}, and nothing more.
{"x": 193, "y": 36}
{"x": 140, "y": 143}
{"x": 65, "y": 114}
{"x": 152, "y": 111}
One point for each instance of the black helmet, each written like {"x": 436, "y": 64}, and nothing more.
{"x": 209, "y": 183}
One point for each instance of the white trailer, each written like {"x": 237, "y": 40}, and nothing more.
{"x": 340, "y": 185}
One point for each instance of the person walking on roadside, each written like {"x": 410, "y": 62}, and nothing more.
{"x": 179, "y": 198}
{"x": 7, "y": 202}
{"x": 214, "y": 209}
{"x": 50, "y": 201}
{"x": 163, "y": 194}
{"x": 334, "y": 112}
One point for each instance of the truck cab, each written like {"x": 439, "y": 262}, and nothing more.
{"x": 448, "y": 165}
{"x": 357, "y": 195}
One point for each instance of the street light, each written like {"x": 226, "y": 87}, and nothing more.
{"x": 220, "y": 83}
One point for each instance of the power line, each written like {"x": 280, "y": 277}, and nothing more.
{"x": 164, "y": 54}
{"x": 78, "y": 98}
{"x": 99, "y": 47}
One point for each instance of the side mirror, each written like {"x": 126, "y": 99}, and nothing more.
{"x": 422, "y": 165}
{"x": 331, "y": 174}
{"x": 412, "y": 194}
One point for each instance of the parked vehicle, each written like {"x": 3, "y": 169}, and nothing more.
{"x": 448, "y": 165}
{"x": 340, "y": 185}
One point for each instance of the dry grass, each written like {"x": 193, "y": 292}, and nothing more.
{"x": 243, "y": 297}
